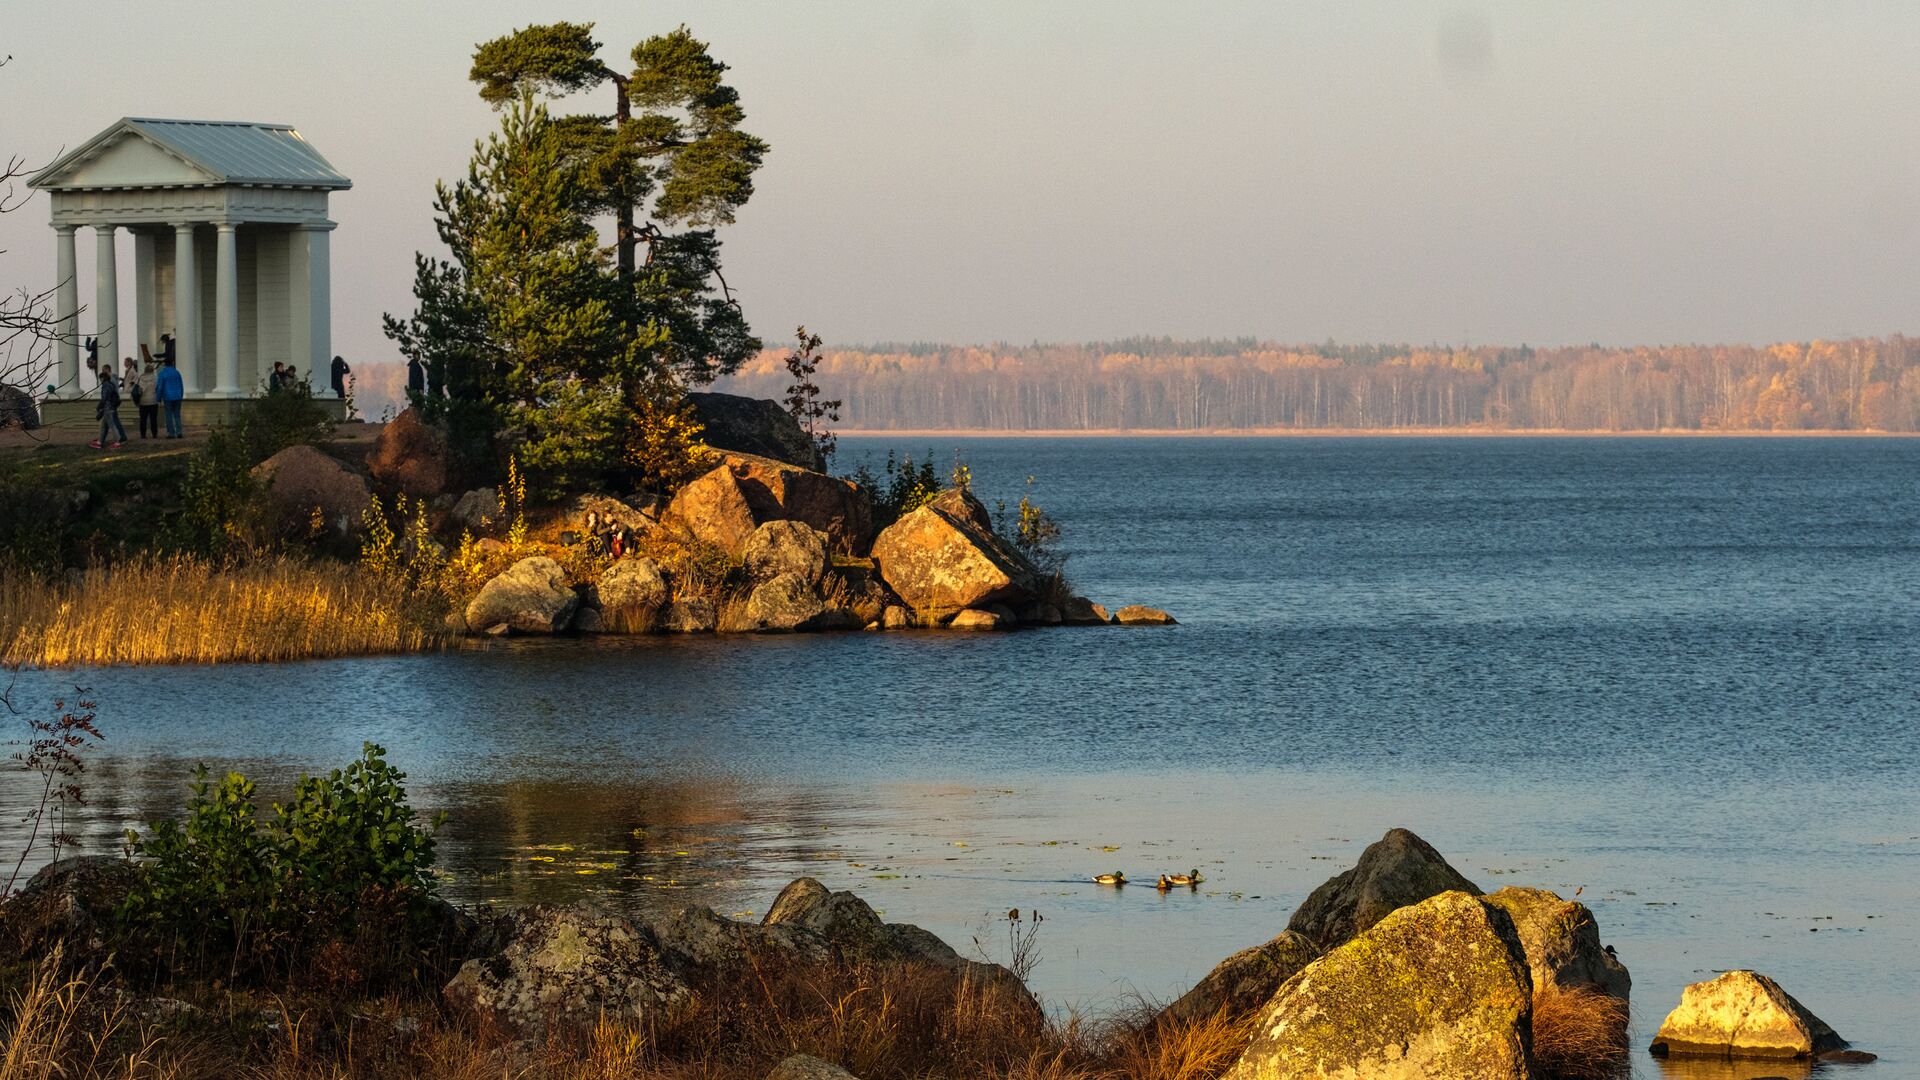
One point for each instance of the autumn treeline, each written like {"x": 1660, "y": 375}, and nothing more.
{"x": 1163, "y": 384}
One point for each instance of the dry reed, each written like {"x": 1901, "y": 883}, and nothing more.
{"x": 171, "y": 610}
{"x": 1579, "y": 1034}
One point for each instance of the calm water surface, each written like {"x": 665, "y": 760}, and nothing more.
{"x": 1676, "y": 674}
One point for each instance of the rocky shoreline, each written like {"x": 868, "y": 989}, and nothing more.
{"x": 1396, "y": 969}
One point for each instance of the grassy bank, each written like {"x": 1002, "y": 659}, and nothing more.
{"x": 179, "y": 609}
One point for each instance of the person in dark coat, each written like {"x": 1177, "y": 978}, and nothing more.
{"x": 110, "y": 410}
{"x": 340, "y": 373}
{"x": 416, "y": 378}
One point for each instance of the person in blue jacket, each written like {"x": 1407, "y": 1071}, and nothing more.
{"x": 170, "y": 389}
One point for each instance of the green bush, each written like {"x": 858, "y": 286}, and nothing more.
{"x": 906, "y": 488}
{"x": 345, "y": 862}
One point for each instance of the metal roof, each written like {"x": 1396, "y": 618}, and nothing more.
{"x": 233, "y": 152}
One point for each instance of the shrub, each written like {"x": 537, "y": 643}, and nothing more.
{"x": 345, "y": 855}
{"x": 907, "y": 487}
{"x": 226, "y": 509}
{"x": 1579, "y": 1034}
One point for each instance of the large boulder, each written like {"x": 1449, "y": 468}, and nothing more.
{"x": 606, "y": 508}
{"x": 786, "y": 603}
{"x": 631, "y": 592}
{"x": 1397, "y": 870}
{"x": 944, "y": 557}
{"x": 1562, "y": 942}
{"x": 755, "y": 426}
{"x": 531, "y": 597}
{"x": 569, "y": 965}
{"x": 301, "y": 479}
{"x": 1439, "y": 989}
{"x": 776, "y": 490}
{"x": 69, "y": 903}
{"x": 17, "y": 409}
{"x": 713, "y": 508}
{"x": 706, "y": 947}
{"x": 786, "y": 547}
{"x": 411, "y": 456}
{"x": 478, "y": 508}
{"x": 1245, "y": 981}
{"x": 859, "y": 936}
{"x": 1744, "y": 1014}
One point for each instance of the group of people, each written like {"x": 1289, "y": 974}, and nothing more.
{"x": 607, "y": 537}
{"x": 156, "y": 389}
{"x": 154, "y": 386}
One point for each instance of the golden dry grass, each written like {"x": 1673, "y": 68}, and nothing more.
{"x": 172, "y": 610}
{"x": 1579, "y": 1034}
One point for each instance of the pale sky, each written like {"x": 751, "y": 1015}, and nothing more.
{"x": 1422, "y": 171}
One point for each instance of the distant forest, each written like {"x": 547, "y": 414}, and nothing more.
{"x": 1163, "y": 384}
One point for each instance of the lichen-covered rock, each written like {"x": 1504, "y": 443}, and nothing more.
{"x": 942, "y": 559}
{"x": 754, "y": 426}
{"x": 1439, "y": 989}
{"x": 895, "y": 617}
{"x": 631, "y": 593}
{"x": 301, "y": 480}
{"x": 411, "y": 456}
{"x": 806, "y": 1067}
{"x": 531, "y": 597}
{"x": 1245, "y": 981}
{"x": 69, "y": 903}
{"x": 713, "y": 508}
{"x": 693, "y": 615}
{"x": 1562, "y": 942}
{"x": 785, "y": 547}
{"x": 1080, "y": 611}
{"x": 705, "y": 946}
{"x": 569, "y": 965}
{"x": 1397, "y": 870}
{"x": 786, "y": 603}
{"x": 1141, "y": 615}
{"x": 977, "y": 619}
{"x": 1743, "y": 1014}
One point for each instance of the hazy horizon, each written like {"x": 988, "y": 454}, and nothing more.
{"x": 1464, "y": 172}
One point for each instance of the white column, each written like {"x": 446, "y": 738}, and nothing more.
{"x": 309, "y": 300}
{"x": 186, "y": 307}
{"x": 106, "y": 299}
{"x": 144, "y": 307}
{"x": 226, "y": 315}
{"x": 66, "y": 311}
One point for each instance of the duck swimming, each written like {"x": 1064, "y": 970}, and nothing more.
{"x": 1189, "y": 879}
{"x": 1115, "y": 878}
{"x": 1164, "y": 883}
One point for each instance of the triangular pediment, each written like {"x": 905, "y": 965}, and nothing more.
{"x": 122, "y": 157}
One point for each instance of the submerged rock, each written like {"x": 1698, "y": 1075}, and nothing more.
{"x": 1562, "y": 942}
{"x": 978, "y": 619}
{"x": 1439, "y": 989}
{"x": 531, "y": 597}
{"x": 944, "y": 557}
{"x": 1244, "y": 981}
{"x": 1141, "y": 615}
{"x": 1744, "y": 1014}
{"x": 569, "y": 965}
{"x": 1396, "y": 870}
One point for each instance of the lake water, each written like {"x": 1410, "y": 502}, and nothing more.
{"x": 1675, "y": 674}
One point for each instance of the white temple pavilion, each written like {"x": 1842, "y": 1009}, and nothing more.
{"x": 230, "y": 255}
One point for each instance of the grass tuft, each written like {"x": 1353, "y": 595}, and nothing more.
{"x": 1579, "y": 1034}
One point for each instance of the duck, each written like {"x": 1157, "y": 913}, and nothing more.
{"x": 1189, "y": 879}
{"x": 1115, "y": 878}
{"x": 1164, "y": 883}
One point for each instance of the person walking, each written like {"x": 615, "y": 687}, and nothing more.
{"x": 169, "y": 388}
{"x": 110, "y": 409}
{"x": 340, "y": 373}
